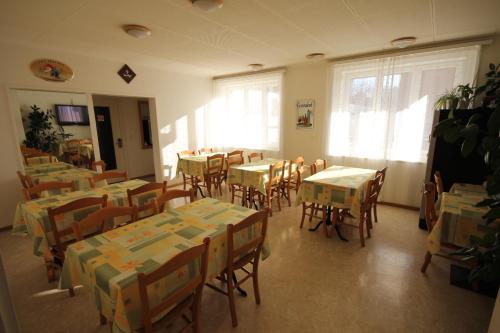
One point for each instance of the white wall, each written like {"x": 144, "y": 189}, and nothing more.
{"x": 177, "y": 96}
{"x": 46, "y": 100}
{"x": 125, "y": 124}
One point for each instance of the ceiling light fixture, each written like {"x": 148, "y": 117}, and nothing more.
{"x": 403, "y": 42}
{"x": 137, "y": 31}
{"x": 207, "y": 5}
{"x": 315, "y": 56}
{"x": 256, "y": 67}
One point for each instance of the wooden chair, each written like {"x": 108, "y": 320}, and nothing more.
{"x": 291, "y": 180}
{"x": 310, "y": 209}
{"x": 35, "y": 192}
{"x": 213, "y": 175}
{"x": 241, "y": 255}
{"x": 439, "y": 182}
{"x": 253, "y": 156}
{"x": 143, "y": 196}
{"x": 237, "y": 190}
{"x": 97, "y": 222}
{"x": 78, "y": 209}
{"x": 100, "y": 164}
{"x": 185, "y": 299}
{"x": 72, "y": 155}
{"x": 113, "y": 175}
{"x": 205, "y": 151}
{"x": 320, "y": 164}
{"x": 158, "y": 204}
{"x": 379, "y": 189}
{"x": 273, "y": 186}
{"x": 365, "y": 217}
{"x": 26, "y": 181}
{"x": 185, "y": 180}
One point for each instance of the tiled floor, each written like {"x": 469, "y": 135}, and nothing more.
{"x": 308, "y": 284}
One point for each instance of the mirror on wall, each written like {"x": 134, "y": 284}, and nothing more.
{"x": 145, "y": 125}
{"x": 56, "y": 124}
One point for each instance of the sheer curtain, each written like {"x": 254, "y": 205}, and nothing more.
{"x": 244, "y": 114}
{"x": 382, "y": 113}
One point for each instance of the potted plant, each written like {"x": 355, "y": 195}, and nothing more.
{"x": 40, "y": 133}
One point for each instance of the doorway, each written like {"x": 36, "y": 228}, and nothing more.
{"x": 105, "y": 136}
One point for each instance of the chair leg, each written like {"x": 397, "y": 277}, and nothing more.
{"x": 219, "y": 181}
{"x": 230, "y": 294}
{"x": 232, "y": 193}
{"x": 304, "y": 208}
{"x": 71, "y": 292}
{"x": 208, "y": 181}
{"x": 289, "y": 200}
{"x": 325, "y": 227}
{"x": 102, "y": 320}
{"x": 278, "y": 199}
{"x": 313, "y": 209}
{"x": 361, "y": 231}
{"x": 368, "y": 222}
{"x": 427, "y": 261}
{"x": 255, "y": 278}
{"x": 184, "y": 182}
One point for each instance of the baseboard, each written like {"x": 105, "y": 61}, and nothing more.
{"x": 2, "y": 229}
{"x": 392, "y": 204}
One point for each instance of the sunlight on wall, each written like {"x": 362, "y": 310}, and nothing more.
{"x": 180, "y": 142}
{"x": 199, "y": 116}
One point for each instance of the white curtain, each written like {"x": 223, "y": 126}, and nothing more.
{"x": 245, "y": 113}
{"x": 382, "y": 113}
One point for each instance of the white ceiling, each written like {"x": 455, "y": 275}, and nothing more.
{"x": 271, "y": 32}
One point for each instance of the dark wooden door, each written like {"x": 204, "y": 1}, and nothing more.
{"x": 105, "y": 136}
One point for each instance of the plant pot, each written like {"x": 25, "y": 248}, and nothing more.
{"x": 459, "y": 277}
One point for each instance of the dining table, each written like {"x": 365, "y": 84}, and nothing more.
{"x": 196, "y": 166}
{"x": 337, "y": 187}
{"x": 80, "y": 176}
{"x": 459, "y": 219}
{"x": 31, "y": 217}
{"x": 46, "y": 159}
{"x": 31, "y": 170}
{"x": 108, "y": 264}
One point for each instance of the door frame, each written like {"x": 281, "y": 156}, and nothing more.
{"x": 14, "y": 107}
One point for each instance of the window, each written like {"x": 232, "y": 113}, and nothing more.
{"x": 245, "y": 113}
{"x": 383, "y": 108}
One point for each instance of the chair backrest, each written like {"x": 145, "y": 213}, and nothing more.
{"x": 246, "y": 246}
{"x": 299, "y": 161}
{"x": 205, "y": 151}
{"x": 439, "y": 182}
{"x": 143, "y": 196}
{"x": 79, "y": 209}
{"x": 106, "y": 175}
{"x": 429, "y": 193}
{"x": 73, "y": 145}
{"x": 320, "y": 165}
{"x": 381, "y": 176}
{"x": 26, "y": 181}
{"x": 305, "y": 171}
{"x": 160, "y": 202}
{"x": 234, "y": 158}
{"x": 252, "y": 156}
{"x": 215, "y": 163}
{"x": 100, "y": 163}
{"x": 55, "y": 187}
{"x": 186, "y": 153}
{"x": 276, "y": 173}
{"x": 101, "y": 220}
{"x": 192, "y": 288}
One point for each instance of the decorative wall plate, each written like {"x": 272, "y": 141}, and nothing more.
{"x": 51, "y": 70}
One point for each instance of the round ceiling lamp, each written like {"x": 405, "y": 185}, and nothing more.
{"x": 315, "y": 56}
{"x": 137, "y": 31}
{"x": 256, "y": 67}
{"x": 207, "y": 5}
{"x": 403, "y": 42}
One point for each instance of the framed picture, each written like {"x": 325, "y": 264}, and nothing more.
{"x": 305, "y": 113}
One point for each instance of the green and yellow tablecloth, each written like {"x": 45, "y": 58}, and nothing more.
{"x": 31, "y": 217}
{"x": 108, "y": 264}
{"x": 337, "y": 186}
{"x": 31, "y": 170}
{"x": 468, "y": 189}
{"x": 459, "y": 218}
{"x": 79, "y": 175}
{"x": 195, "y": 165}
{"x": 34, "y": 161}
{"x": 254, "y": 174}
{"x": 84, "y": 149}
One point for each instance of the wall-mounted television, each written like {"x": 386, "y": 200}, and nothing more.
{"x": 72, "y": 114}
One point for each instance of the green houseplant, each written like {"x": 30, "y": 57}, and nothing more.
{"x": 40, "y": 133}
{"x": 484, "y": 138}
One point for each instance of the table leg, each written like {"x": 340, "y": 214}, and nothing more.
{"x": 51, "y": 271}
{"x": 328, "y": 222}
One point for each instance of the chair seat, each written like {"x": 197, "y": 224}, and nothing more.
{"x": 178, "y": 311}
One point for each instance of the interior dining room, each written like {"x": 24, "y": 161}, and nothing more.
{"x": 249, "y": 166}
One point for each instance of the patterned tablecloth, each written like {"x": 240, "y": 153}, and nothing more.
{"x": 337, "y": 186}
{"x": 255, "y": 174}
{"x": 468, "y": 189}
{"x": 459, "y": 219}
{"x": 31, "y": 217}
{"x": 46, "y": 167}
{"x": 79, "y": 175}
{"x": 108, "y": 264}
{"x": 34, "y": 161}
{"x": 85, "y": 149}
{"x": 195, "y": 165}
